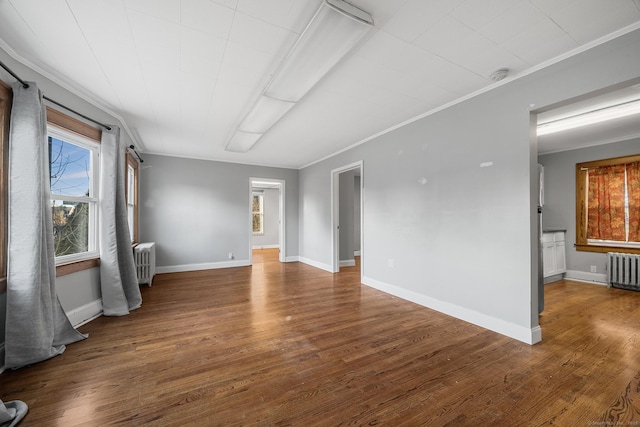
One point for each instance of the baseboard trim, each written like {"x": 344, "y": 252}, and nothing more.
{"x": 202, "y": 266}
{"x": 347, "y": 262}
{"x": 316, "y": 264}
{"x": 517, "y": 332}
{"x": 583, "y": 276}
{"x": 266, "y": 247}
{"x": 86, "y": 313}
{"x": 356, "y": 253}
{"x": 292, "y": 259}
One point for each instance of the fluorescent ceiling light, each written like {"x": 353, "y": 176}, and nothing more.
{"x": 590, "y": 117}
{"x": 264, "y": 114}
{"x": 333, "y": 31}
{"x": 241, "y": 142}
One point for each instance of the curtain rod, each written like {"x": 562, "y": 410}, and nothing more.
{"x": 26, "y": 85}
{"x": 133, "y": 148}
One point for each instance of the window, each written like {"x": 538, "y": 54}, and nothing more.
{"x": 131, "y": 189}
{"x": 257, "y": 213}
{"x": 73, "y": 170}
{"x": 608, "y": 205}
{"x": 5, "y": 115}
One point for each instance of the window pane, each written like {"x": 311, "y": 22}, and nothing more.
{"x": 257, "y": 223}
{"x": 130, "y": 220}
{"x": 256, "y": 207}
{"x": 70, "y": 227}
{"x": 131, "y": 184}
{"x": 70, "y": 168}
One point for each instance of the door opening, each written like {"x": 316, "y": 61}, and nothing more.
{"x": 347, "y": 199}
{"x": 267, "y": 220}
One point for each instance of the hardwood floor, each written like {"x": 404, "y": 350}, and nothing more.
{"x": 288, "y": 344}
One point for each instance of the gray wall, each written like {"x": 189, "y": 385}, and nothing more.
{"x": 271, "y": 220}
{"x": 198, "y": 211}
{"x": 560, "y": 196}
{"x": 464, "y": 242}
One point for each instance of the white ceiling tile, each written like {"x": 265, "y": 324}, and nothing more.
{"x": 416, "y": 16}
{"x": 232, "y": 4}
{"x": 17, "y": 34}
{"x": 155, "y": 59}
{"x": 166, "y": 10}
{"x": 477, "y": 13}
{"x": 292, "y": 15}
{"x": 518, "y": 18}
{"x": 446, "y": 34}
{"x": 591, "y": 19}
{"x": 541, "y": 42}
{"x": 207, "y": 17}
{"x": 149, "y": 30}
{"x": 261, "y": 36}
{"x": 201, "y": 53}
{"x": 449, "y": 76}
{"x": 382, "y": 11}
{"x": 388, "y": 50}
{"x": 549, "y": 7}
{"x": 251, "y": 61}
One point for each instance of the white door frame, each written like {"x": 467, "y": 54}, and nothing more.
{"x": 282, "y": 219}
{"x": 335, "y": 213}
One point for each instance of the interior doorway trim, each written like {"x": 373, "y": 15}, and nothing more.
{"x": 335, "y": 213}
{"x": 282, "y": 233}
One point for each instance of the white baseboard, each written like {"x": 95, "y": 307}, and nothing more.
{"x": 347, "y": 262}
{"x": 356, "y": 253}
{"x": 86, "y": 313}
{"x": 202, "y": 266}
{"x": 316, "y": 264}
{"x": 520, "y": 333}
{"x": 292, "y": 259}
{"x": 266, "y": 247}
{"x": 583, "y": 276}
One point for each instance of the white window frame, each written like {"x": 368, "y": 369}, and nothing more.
{"x": 94, "y": 148}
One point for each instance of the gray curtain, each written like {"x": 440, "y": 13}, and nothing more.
{"x": 37, "y": 327}
{"x": 12, "y": 412}
{"x": 118, "y": 279}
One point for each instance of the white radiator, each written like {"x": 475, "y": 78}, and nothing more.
{"x": 145, "y": 256}
{"x": 624, "y": 270}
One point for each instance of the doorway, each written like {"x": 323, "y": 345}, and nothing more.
{"x": 347, "y": 203}
{"x": 267, "y": 219}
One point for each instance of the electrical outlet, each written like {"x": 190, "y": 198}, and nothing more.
{"x": 230, "y": 255}
{"x": 391, "y": 263}
{"x": 593, "y": 269}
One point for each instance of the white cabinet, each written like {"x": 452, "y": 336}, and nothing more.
{"x": 553, "y": 253}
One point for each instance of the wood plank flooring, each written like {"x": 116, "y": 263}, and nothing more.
{"x": 287, "y": 344}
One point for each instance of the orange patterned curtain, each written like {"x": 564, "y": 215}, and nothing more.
{"x": 633, "y": 189}
{"x": 605, "y": 213}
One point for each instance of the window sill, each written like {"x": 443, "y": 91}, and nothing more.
{"x": 605, "y": 248}
{"x": 75, "y": 266}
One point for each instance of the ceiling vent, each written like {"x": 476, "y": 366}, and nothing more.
{"x": 500, "y": 74}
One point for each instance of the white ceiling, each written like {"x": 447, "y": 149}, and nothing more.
{"x": 181, "y": 72}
